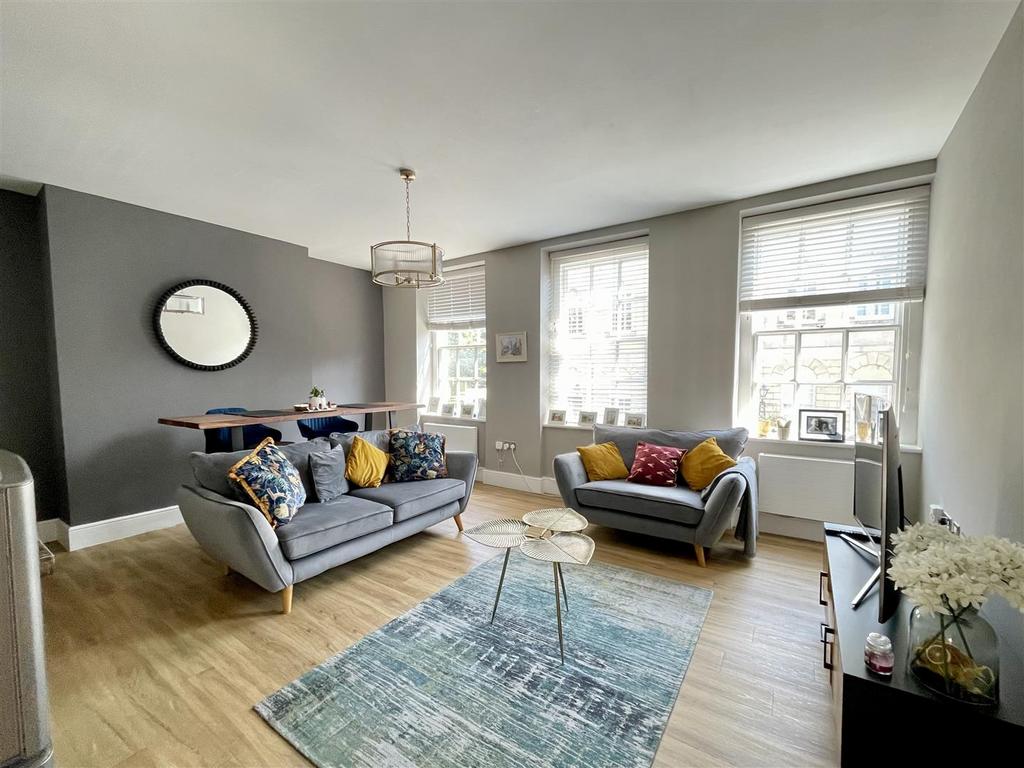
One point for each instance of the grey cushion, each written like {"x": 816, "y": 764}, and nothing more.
{"x": 328, "y": 471}
{"x": 679, "y": 505}
{"x": 376, "y": 437}
{"x": 731, "y": 441}
{"x": 211, "y": 469}
{"x": 317, "y": 527}
{"x": 414, "y": 498}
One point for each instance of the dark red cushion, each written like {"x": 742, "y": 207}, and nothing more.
{"x": 655, "y": 464}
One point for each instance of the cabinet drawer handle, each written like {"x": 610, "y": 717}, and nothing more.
{"x": 826, "y": 646}
{"x": 822, "y": 575}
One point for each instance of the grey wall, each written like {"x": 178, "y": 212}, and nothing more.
{"x": 972, "y": 425}
{"x": 109, "y": 262}
{"x": 29, "y": 421}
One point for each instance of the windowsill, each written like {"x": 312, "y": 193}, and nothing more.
{"x": 828, "y": 446}
{"x": 470, "y": 419}
{"x": 575, "y": 427}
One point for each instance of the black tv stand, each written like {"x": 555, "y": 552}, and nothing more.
{"x": 878, "y": 719}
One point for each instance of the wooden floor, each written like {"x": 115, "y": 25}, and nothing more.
{"x": 156, "y": 658}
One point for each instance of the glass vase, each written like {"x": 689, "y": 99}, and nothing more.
{"x": 956, "y": 655}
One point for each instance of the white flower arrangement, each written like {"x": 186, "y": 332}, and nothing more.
{"x": 946, "y": 573}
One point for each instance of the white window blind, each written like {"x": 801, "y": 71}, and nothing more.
{"x": 865, "y": 249}
{"x": 598, "y": 349}
{"x": 461, "y": 302}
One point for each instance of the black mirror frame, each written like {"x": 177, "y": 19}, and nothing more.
{"x": 254, "y": 326}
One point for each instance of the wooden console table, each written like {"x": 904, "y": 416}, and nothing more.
{"x": 879, "y": 720}
{"x": 235, "y": 421}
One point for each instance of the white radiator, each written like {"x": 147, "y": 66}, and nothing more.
{"x": 810, "y": 488}
{"x": 457, "y": 437}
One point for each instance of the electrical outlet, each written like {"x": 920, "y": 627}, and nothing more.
{"x": 512, "y": 446}
{"x": 498, "y": 445}
{"x": 938, "y": 513}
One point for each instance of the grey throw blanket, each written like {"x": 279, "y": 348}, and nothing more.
{"x": 746, "y": 523}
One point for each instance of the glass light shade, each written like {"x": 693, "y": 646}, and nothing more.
{"x": 406, "y": 264}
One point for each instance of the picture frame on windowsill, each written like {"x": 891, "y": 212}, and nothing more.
{"x": 587, "y": 418}
{"x": 822, "y": 426}
{"x": 448, "y": 409}
{"x": 556, "y": 417}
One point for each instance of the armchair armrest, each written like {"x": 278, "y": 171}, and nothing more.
{"x": 570, "y": 474}
{"x": 236, "y": 534}
{"x": 462, "y": 465}
{"x": 722, "y": 506}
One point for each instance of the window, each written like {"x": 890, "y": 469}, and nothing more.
{"x": 456, "y": 317}
{"x": 829, "y": 302}
{"x": 598, "y": 344}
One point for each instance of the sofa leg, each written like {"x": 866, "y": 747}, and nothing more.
{"x": 286, "y": 599}
{"x": 458, "y": 521}
{"x": 226, "y": 568}
{"x": 700, "y": 555}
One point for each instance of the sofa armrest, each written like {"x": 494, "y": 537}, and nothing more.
{"x": 570, "y": 474}
{"x": 236, "y": 534}
{"x": 721, "y": 508}
{"x": 462, "y": 465}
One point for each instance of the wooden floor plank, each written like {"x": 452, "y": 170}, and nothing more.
{"x": 156, "y": 657}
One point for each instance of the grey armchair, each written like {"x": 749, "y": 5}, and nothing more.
{"x": 676, "y": 513}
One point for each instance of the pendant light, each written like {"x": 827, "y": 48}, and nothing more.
{"x": 406, "y": 263}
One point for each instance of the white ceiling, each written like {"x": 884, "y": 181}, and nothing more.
{"x": 524, "y": 121}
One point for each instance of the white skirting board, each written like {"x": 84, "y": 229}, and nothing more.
{"x": 517, "y": 482}
{"x": 73, "y": 537}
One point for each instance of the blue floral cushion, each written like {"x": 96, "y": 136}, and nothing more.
{"x": 271, "y": 481}
{"x": 416, "y": 456}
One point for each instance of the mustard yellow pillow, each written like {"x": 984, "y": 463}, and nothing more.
{"x": 366, "y": 464}
{"x": 703, "y": 463}
{"x": 603, "y": 462}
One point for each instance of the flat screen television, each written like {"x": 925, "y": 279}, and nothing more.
{"x": 877, "y": 493}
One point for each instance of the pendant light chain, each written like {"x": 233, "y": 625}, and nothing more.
{"x": 408, "y": 214}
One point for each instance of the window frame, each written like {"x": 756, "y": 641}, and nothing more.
{"x": 436, "y": 385}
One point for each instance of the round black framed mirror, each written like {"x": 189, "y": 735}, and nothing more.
{"x": 205, "y": 325}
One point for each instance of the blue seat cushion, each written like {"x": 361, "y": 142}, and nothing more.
{"x": 317, "y": 527}
{"x": 411, "y": 499}
{"x": 678, "y": 504}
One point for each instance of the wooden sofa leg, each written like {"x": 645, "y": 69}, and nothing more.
{"x": 286, "y": 599}
{"x": 227, "y": 569}
{"x": 700, "y": 555}
{"x": 458, "y": 521}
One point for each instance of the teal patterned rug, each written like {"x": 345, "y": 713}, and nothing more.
{"x": 439, "y": 686}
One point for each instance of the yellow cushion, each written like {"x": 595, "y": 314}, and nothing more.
{"x": 366, "y": 464}
{"x": 603, "y": 462}
{"x": 703, "y": 463}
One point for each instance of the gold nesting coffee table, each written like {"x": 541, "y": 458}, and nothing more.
{"x": 550, "y": 535}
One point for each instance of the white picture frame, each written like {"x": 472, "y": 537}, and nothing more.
{"x": 433, "y": 404}
{"x": 635, "y": 420}
{"x": 510, "y": 347}
{"x": 587, "y": 418}
{"x": 448, "y": 409}
{"x": 481, "y": 408}
{"x": 610, "y": 417}
{"x": 466, "y": 410}
{"x": 556, "y": 417}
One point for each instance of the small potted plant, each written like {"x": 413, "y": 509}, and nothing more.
{"x": 317, "y": 399}
{"x": 782, "y": 427}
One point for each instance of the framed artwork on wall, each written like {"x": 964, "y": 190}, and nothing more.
{"x": 510, "y": 347}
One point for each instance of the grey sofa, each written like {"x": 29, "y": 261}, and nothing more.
{"x": 320, "y": 536}
{"x": 671, "y": 513}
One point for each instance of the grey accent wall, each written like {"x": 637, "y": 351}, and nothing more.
{"x": 109, "y": 262}
{"x": 972, "y": 423}
{"x": 29, "y": 422}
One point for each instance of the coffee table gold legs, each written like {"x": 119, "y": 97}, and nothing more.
{"x": 501, "y": 581}
{"x": 558, "y": 612}
{"x": 565, "y": 592}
